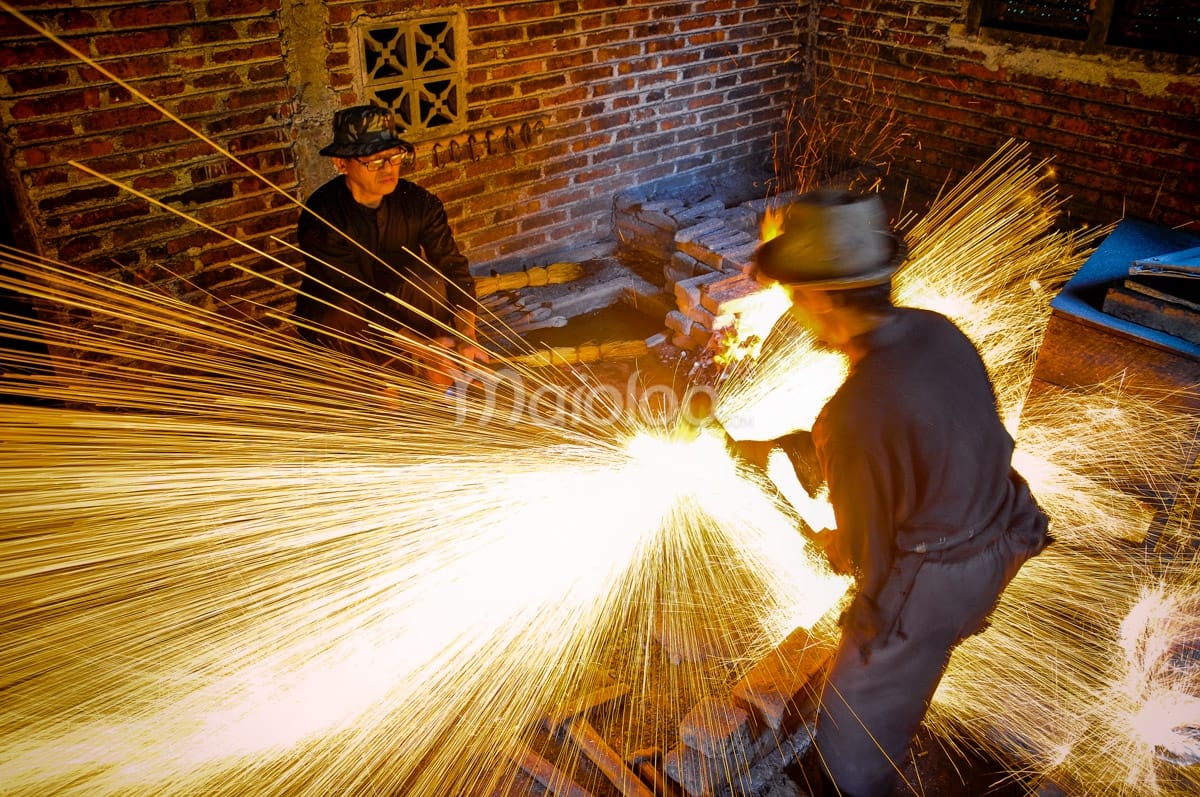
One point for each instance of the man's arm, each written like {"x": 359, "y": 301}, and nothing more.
{"x": 442, "y": 252}
{"x": 863, "y": 544}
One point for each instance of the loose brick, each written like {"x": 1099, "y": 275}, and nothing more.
{"x": 729, "y": 239}
{"x": 687, "y": 293}
{"x": 694, "y": 231}
{"x": 680, "y": 341}
{"x": 700, "y": 334}
{"x": 776, "y": 686}
{"x": 679, "y": 322}
{"x": 702, "y": 317}
{"x": 716, "y": 727}
{"x": 711, "y": 208}
{"x": 658, "y": 220}
{"x": 742, "y": 769}
{"x": 739, "y": 258}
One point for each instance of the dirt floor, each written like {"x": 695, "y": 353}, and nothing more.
{"x": 931, "y": 771}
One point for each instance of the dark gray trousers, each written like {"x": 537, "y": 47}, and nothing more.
{"x": 870, "y": 709}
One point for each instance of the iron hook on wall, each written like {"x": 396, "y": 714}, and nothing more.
{"x": 493, "y": 143}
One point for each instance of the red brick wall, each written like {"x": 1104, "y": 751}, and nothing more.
{"x": 626, "y": 92}
{"x": 1123, "y": 128}
{"x": 216, "y": 65}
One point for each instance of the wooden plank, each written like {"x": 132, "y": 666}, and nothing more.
{"x": 1155, "y": 311}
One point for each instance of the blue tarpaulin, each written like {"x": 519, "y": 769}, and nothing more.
{"x": 1083, "y": 295}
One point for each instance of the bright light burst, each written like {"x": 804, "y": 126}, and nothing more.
{"x": 1089, "y": 673}
{"x": 1161, "y": 640}
{"x": 1072, "y": 678}
{"x": 195, "y": 603}
{"x": 266, "y": 569}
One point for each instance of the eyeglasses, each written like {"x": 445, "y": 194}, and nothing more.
{"x": 406, "y": 158}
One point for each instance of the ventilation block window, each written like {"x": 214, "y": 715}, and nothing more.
{"x": 1169, "y": 26}
{"x": 417, "y": 67}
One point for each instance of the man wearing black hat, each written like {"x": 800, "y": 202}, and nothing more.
{"x": 382, "y": 267}
{"x": 932, "y": 519}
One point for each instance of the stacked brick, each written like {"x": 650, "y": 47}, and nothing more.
{"x": 736, "y": 745}
{"x": 705, "y": 248}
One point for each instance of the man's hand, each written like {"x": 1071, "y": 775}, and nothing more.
{"x": 754, "y": 453}
{"x": 467, "y": 345}
{"x": 459, "y": 370}
{"x": 471, "y": 352}
{"x": 439, "y": 368}
{"x": 445, "y": 361}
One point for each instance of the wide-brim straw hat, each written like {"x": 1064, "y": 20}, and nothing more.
{"x": 831, "y": 239}
{"x": 361, "y": 131}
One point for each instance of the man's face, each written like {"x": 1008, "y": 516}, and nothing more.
{"x": 374, "y": 174}
{"x": 811, "y": 310}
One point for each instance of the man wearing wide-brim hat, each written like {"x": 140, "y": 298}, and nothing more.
{"x": 382, "y": 267}
{"x": 932, "y": 520}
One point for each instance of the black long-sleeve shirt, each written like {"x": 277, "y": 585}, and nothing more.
{"x": 410, "y": 217}
{"x": 913, "y": 450}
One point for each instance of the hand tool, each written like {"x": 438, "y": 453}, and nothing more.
{"x": 644, "y": 763}
{"x": 551, "y": 777}
{"x": 570, "y": 720}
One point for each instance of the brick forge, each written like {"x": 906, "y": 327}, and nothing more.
{"x": 705, "y": 245}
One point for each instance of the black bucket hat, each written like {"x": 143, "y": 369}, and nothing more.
{"x": 831, "y": 239}
{"x": 361, "y": 131}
